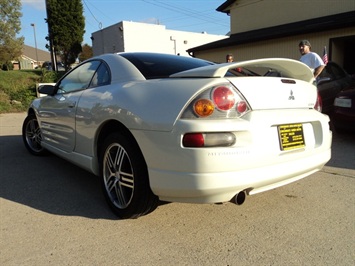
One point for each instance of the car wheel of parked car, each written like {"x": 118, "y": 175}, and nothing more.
{"x": 32, "y": 136}
{"x": 125, "y": 177}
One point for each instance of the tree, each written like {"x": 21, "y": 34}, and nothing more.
{"x": 10, "y": 25}
{"x": 86, "y": 52}
{"x": 66, "y": 25}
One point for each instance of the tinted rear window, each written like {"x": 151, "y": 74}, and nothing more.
{"x": 162, "y": 65}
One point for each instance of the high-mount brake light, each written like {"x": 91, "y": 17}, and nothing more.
{"x": 223, "y": 97}
{"x": 203, "y": 107}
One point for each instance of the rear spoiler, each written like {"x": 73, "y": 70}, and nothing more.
{"x": 288, "y": 67}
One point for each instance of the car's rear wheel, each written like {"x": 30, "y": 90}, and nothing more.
{"x": 32, "y": 135}
{"x": 124, "y": 177}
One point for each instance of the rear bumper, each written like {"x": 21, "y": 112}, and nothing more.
{"x": 222, "y": 186}
{"x": 255, "y": 163}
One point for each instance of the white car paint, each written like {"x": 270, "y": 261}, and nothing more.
{"x": 152, "y": 112}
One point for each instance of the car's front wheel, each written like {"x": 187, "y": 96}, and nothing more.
{"x": 32, "y": 136}
{"x": 124, "y": 177}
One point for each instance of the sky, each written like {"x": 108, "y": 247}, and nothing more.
{"x": 180, "y": 15}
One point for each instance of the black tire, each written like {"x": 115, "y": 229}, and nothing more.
{"x": 124, "y": 177}
{"x": 32, "y": 136}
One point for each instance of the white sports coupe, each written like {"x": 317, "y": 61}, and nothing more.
{"x": 159, "y": 127}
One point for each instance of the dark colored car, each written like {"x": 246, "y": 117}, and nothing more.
{"x": 343, "y": 117}
{"x": 332, "y": 80}
{"x": 48, "y": 65}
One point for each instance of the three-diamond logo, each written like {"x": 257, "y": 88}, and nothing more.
{"x": 291, "y": 97}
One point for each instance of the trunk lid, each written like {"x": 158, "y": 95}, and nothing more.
{"x": 276, "y": 93}
{"x": 281, "y": 83}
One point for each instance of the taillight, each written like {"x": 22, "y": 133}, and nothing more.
{"x": 217, "y": 102}
{"x": 318, "y": 105}
{"x": 223, "y": 97}
{"x": 212, "y": 139}
{"x": 242, "y": 107}
{"x": 203, "y": 107}
{"x": 193, "y": 140}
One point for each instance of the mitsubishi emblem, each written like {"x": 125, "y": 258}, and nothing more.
{"x": 291, "y": 97}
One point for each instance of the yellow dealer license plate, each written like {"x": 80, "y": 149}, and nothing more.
{"x": 291, "y": 137}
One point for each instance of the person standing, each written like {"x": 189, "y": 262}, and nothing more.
{"x": 229, "y": 58}
{"x": 311, "y": 59}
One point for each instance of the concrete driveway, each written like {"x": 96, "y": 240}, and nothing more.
{"x": 53, "y": 213}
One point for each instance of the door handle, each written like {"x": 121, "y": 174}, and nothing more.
{"x": 72, "y": 105}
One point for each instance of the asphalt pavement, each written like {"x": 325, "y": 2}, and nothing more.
{"x": 53, "y": 213}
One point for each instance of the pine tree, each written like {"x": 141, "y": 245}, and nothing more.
{"x": 10, "y": 25}
{"x": 66, "y": 25}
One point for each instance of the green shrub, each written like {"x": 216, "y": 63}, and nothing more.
{"x": 18, "y": 87}
{"x": 48, "y": 76}
{"x": 7, "y": 66}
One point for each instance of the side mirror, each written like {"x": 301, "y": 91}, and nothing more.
{"x": 46, "y": 89}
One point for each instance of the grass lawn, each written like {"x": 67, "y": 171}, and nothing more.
{"x": 18, "y": 88}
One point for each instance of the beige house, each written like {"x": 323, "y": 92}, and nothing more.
{"x": 29, "y": 57}
{"x": 273, "y": 28}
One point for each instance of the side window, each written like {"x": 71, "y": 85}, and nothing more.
{"x": 101, "y": 77}
{"x": 79, "y": 78}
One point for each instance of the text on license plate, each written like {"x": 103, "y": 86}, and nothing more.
{"x": 291, "y": 136}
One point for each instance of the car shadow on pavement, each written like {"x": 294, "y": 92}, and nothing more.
{"x": 49, "y": 183}
{"x": 343, "y": 150}
{"x": 53, "y": 185}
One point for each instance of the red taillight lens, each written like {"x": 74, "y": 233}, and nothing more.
{"x": 224, "y": 98}
{"x": 210, "y": 139}
{"x": 242, "y": 107}
{"x": 318, "y": 105}
{"x": 193, "y": 140}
